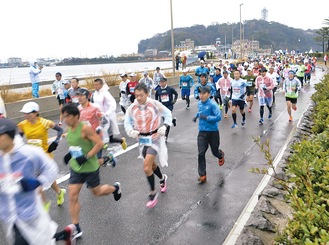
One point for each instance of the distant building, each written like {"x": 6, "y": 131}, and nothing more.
{"x": 248, "y": 47}
{"x": 163, "y": 54}
{"x": 207, "y": 48}
{"x": 14, "y": 61}
{"x": 150, "y": 53}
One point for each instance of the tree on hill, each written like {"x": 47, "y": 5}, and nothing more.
{"x": 269, "y": 34}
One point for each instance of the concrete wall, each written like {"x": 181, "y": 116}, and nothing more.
{"x": 49, "y": 105}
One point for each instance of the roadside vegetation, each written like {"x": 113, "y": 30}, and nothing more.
{"x": 307, "y": 185}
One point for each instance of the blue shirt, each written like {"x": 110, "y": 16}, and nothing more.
{"x": 199, "y": 70}
{"x": 186, "y": 82}
{"x": 210, "y": 85}
{"x": 210, "y": 109}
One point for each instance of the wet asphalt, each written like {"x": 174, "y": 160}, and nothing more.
{"x": 188, "y": 213}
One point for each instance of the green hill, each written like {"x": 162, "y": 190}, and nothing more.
{"x": 267, "y": 33}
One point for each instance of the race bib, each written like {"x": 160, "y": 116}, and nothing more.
{"x": 184, "y": 84}
{"x": 132, "y": 89}
{"x": 10, "y": 183}
{"x": 35, "y": 142}
{"x": 225, "y": 89}
{"x": 236, "y": 91}
{"x": 145, "y": 140}
{"x": 76, "y": 151}
{"x": 249, "y": 84}
{"x": 165, "y": 98}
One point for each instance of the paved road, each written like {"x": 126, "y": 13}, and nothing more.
{"x": 188, "y": 213}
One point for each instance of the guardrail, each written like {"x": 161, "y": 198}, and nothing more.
{"x": 49, "y": 105}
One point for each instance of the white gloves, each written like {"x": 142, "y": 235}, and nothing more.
{"x": 162, "y": 130}
{"x": 133, "y": 134}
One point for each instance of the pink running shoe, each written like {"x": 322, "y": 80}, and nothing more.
{"x": 163, "y": 183}
{"x": 70, "y": 230}
{"x": 153, "y": 200}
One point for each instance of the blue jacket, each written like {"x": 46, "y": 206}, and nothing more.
{"x": 199, "y": 70}
{"x": 210, "y": 85}
{"x": 210, "y": 109}
{"x": 186, "y": 82}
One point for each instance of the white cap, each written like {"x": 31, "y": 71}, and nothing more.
{"x": 245, "y": 64}
{"x": 185, "y": 70}
{"x": 30, "y": 107}
{"x": 132, "y": 74}
{"x": 201, "y": 61}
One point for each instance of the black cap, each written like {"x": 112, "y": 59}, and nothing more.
{"x": 6, "y": 125}
{"x": 83, "y": 91}
{"x": 263, "y": 69}
{"x": 204, "y": 89}
{"x": 158, "y": 68}
{"x": 163, "y": 79}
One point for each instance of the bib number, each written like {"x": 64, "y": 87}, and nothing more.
{"x": 145, "y": 140}
{"x": 165, "y": 98}
{"x": 10, "y": 183}
{"x": 35, "y": 142}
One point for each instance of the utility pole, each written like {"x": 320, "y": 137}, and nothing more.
{"x": 172, "y": 39}
{"x": 240, "y": 32}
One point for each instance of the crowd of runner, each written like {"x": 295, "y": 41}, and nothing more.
{"x": 148, "y": 105}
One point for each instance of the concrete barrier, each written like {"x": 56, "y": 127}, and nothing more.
{"x": 49, "y": 105}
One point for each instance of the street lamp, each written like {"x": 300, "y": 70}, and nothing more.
{"x": 240, "y": 32}
{"x": 232, "y": 40}
{"x": 172, "y": 39}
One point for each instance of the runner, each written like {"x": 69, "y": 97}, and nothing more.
{"x": 209, "y": 116}
{"x": 91, "y": 115}
{"x": 214, "y": 80}
{"x": 204, "y": 82}
{"x": 35, "y": 130}
{"x": 156, "y": 78}
{"x": 224, "y": 86}
{"x": 250, "y": 78}
{"x": 142, "y": 121}
{"x": 264, "y": 86}
{"x": 201, "y": 70}
{"x": 148, "y": 81}
{"x": 57, "y": 88}
{"x": 107, "y": 105}
{"x": 238, "y": 98}
{"x": 84, "y": 144}
{"x": 274, "y": 76}
{"x": 301, "y": 72}
{"x": 73, "y": 89}
{"x": 124, "y": 102}
{"x": 23, "y": 219}
{"x": 168, "y": 97}
{"x": 291, "y": 86}
{"x": 185, "y": 84}
{"x": 130, "y": 89}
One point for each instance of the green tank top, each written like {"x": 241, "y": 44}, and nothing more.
{"x": 74, "y": 139}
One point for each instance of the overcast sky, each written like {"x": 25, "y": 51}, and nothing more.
{"x": 79, "y": 28}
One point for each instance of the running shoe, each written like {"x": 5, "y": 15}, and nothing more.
{"x": 249, "y": 110}
{"x": 77, "y": 233}
{"x": 269, "y": 116}
{"x": 174, "y": 120}
{"x": 202, "y": 179}
{"x": 295, "y": 109}
{"x": 187, "y": 107}
{"x": 290, "y": 119}
{"x": 60, "y": 197}
{"x": 261, "y": 121}
{"x": 105, "y": 146}
{"x": 46, "y": 206}
{"x": 117, "y": 192}
{"x": 110, "y": 160}
{"x": 234, "y": 125}
{"x": 153, "y": 200}
{"x": 69, "y": 238}
{"x": 225, "y": 116}
{"x": 163, "y": 183}
{"x": 220, "y": 106}
{"x": 60, "y": 124}
{"x": 124, "y": 143}
{"x": 221, "y": 161}
{"x": 243, "y": 123}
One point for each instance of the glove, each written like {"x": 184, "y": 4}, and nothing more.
{"x": 203, "y": 116}
{"x": 54, "y": 92}
{"x": 67, "y": 158}
{"x": 81, "y": 160}
{"x": 29, "y": 184}
{"x": 104, "y": 121}
{"x": 264, "y": 88}
{"x": 198, "y": 97}
{"x": 162, "y": 130}
{"x": 174, "y": 102}
{"x": 52, "y": 147}
{"x": 180, "y": 87}
{"x": 211, "y": 97}
{"x": 98, "y": 130}
{"x": 133, "y": 133}
{"x": 194, "y": 119}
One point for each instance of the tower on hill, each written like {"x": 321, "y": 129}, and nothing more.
{"x": 264, "y": 14}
